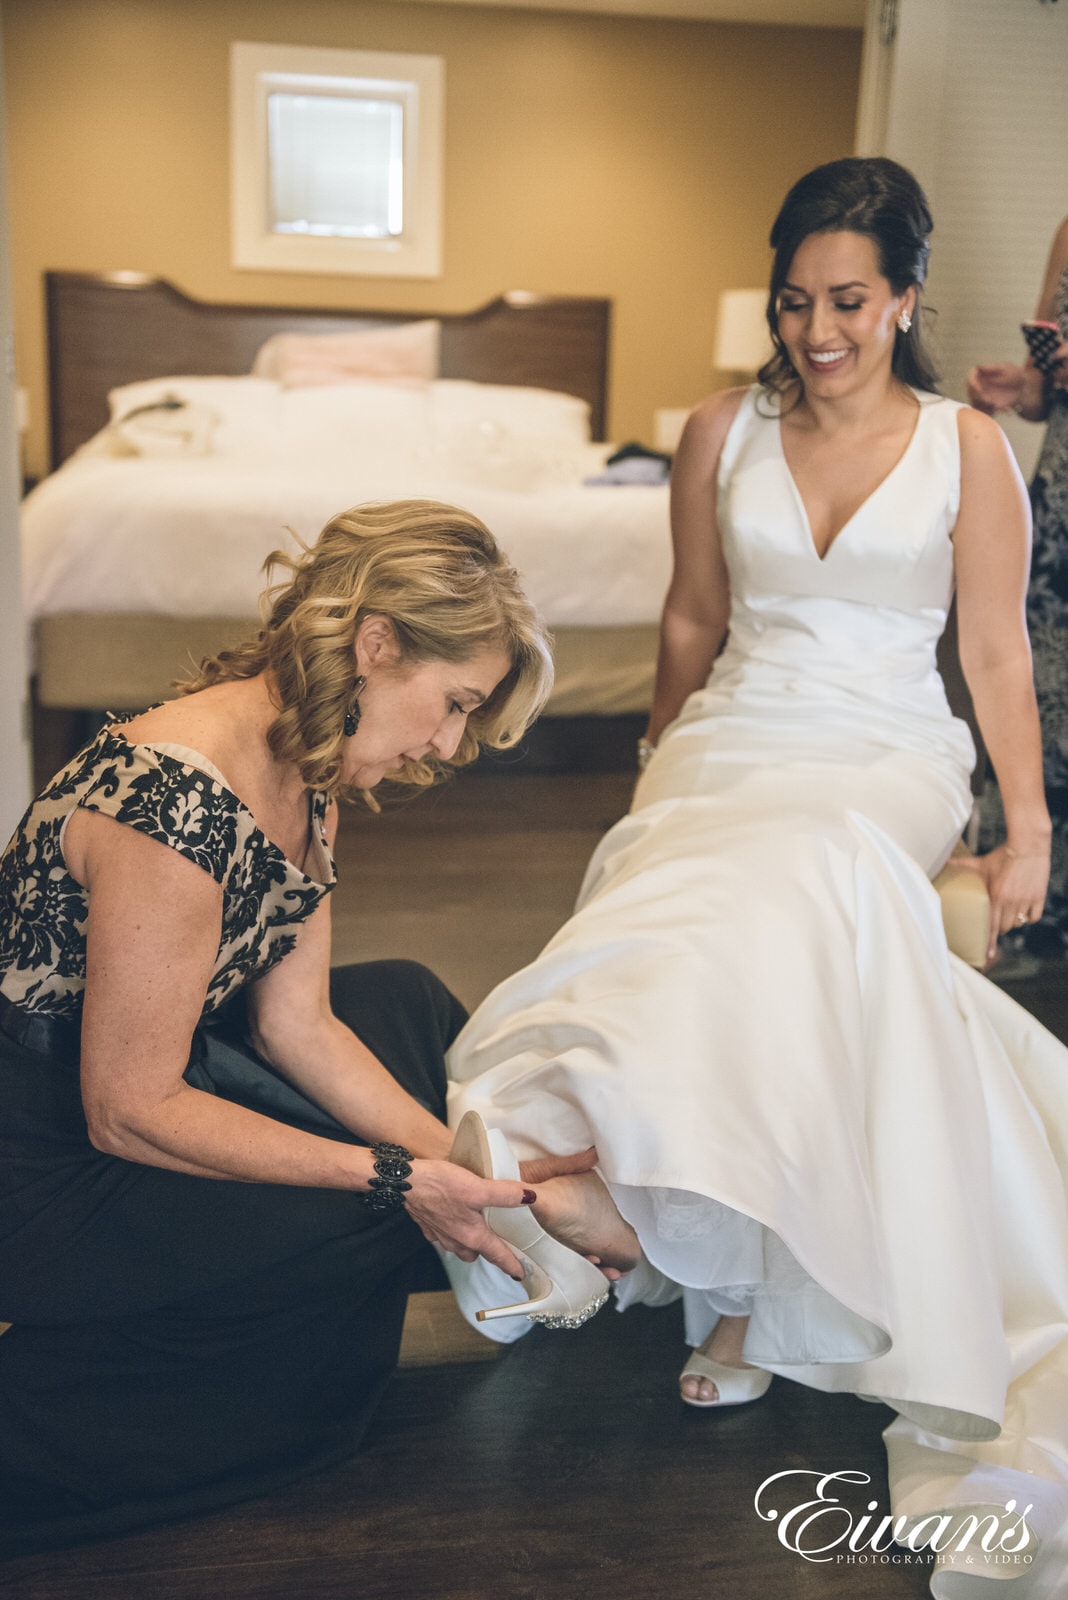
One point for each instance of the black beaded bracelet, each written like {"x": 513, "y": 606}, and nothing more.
{"x": 393, "y": 1164}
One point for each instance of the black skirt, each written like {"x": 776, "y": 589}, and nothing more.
{"x": 182, "y": 1343}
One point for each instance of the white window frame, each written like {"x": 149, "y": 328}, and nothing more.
{"x": 258, "y": 70}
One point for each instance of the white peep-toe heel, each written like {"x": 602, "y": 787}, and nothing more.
{"x": 736, "y": 1386}
{"x": 563, "y": 1289}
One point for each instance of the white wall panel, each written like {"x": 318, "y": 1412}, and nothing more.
{"x": 14, "y": 744}
{"x": 979, "y": 110}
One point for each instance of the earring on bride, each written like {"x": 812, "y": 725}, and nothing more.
{"x": 904, "y": 322}
{"x": 352, "y": 715}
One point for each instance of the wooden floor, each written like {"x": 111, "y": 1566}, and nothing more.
{"x": 472, "y": 878}
{"x": 567, "y": 1468}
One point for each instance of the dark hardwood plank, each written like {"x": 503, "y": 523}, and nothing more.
{"x": 569, "y": 1467}
{"x": 472, "y": 879}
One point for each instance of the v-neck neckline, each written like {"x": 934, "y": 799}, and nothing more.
{"x": 868, "y": 498}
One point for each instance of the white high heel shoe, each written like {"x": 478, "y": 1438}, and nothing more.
{"x": 735, "y": 1386}
{"x": 564, "y": 1290}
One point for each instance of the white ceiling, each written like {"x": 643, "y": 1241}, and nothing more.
{"x": 799, "y": 13}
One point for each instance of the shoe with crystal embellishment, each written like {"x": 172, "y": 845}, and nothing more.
{"x": 736, "y": 1386}
{"x": 563, "y": 1289}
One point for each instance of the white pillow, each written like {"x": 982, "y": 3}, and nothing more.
{"x": 526, "y": 414}
{"x": 504, "y": 436}
{"x": 354, "y": 422}
{"x": 405, "y": 353}
{"x": 221, "y": 416}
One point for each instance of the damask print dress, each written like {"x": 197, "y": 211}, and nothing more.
{"x": 179, "y": 1343}
{"x": 189, "y": 808}
{"x": 1047, "y": 621}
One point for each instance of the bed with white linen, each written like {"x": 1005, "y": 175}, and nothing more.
{"x": 146, "y": 546}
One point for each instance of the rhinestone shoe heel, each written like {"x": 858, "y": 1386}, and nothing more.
{"x": 563, "y": 1289}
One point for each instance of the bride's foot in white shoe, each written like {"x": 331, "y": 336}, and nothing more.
{"x": 716, "y": 1375}
{"x": 579, "y": 1211}
{"x": 563, "y": 1289}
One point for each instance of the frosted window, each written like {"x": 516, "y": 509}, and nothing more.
{"x": 337, "y": 166}
{"x": 337, "y": 160}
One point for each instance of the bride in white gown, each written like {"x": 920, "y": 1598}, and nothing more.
{"x": 845, "y": 1148}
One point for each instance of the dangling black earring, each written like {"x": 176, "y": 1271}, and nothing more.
{"x": 352, "y": 715}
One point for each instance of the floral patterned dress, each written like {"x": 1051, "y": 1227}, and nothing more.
{"x": 179, "y": 1342}
{"x": 43, "y": 910}
{"x": 1047, "y": 620}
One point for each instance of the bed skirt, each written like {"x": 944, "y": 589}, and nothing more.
{"x": 125, "y": 661}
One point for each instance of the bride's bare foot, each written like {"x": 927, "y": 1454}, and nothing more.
{"x": 579, "y": 1211}
{"x": 724, "y": 1344}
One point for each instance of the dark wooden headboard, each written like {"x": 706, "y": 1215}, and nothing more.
{"x": 118, "y": 327}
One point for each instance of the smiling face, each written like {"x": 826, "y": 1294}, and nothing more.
{"x": 409, "y": 710}
{"x": 838, "y": 315}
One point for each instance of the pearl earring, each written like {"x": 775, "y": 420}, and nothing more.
{"x": 352, "y": 715}
{"x": 904, "y": 322}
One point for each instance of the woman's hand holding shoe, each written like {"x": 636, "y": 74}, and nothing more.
{"x": 541, "y": 1168}
{"x": 447, "y": 1203}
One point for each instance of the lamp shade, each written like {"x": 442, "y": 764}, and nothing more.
{"x": 742, "y": 340}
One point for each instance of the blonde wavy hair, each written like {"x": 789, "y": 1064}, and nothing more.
{"x": 439, "y": 576}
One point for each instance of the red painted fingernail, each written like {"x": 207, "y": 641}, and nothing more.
{"x": 529, "y": 1197}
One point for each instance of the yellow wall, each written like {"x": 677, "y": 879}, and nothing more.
{"x": 637, "y": 158}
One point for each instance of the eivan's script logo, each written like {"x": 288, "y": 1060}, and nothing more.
{"x": 819, "y": 1527}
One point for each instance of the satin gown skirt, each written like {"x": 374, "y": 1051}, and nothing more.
{"x": 807, "y": 1108}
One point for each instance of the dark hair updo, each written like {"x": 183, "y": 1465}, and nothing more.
{"x": 881, "y": 200}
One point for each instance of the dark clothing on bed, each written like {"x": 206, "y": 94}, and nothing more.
{"x": 180, "y": 1343}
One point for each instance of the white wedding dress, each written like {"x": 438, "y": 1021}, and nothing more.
{"x": 807, "y": 1108}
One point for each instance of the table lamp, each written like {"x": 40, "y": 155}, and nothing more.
{"x": 743, "y": 343}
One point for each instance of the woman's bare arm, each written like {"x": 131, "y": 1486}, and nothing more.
{"x": 1037, "y": 390}
{"x": 294, "y": 1029}
{"x": 152, "y": 937}
{"x": 992, "y": 542}
{"x": 1055, "y": 266}
{"x": 696, "y": 610}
